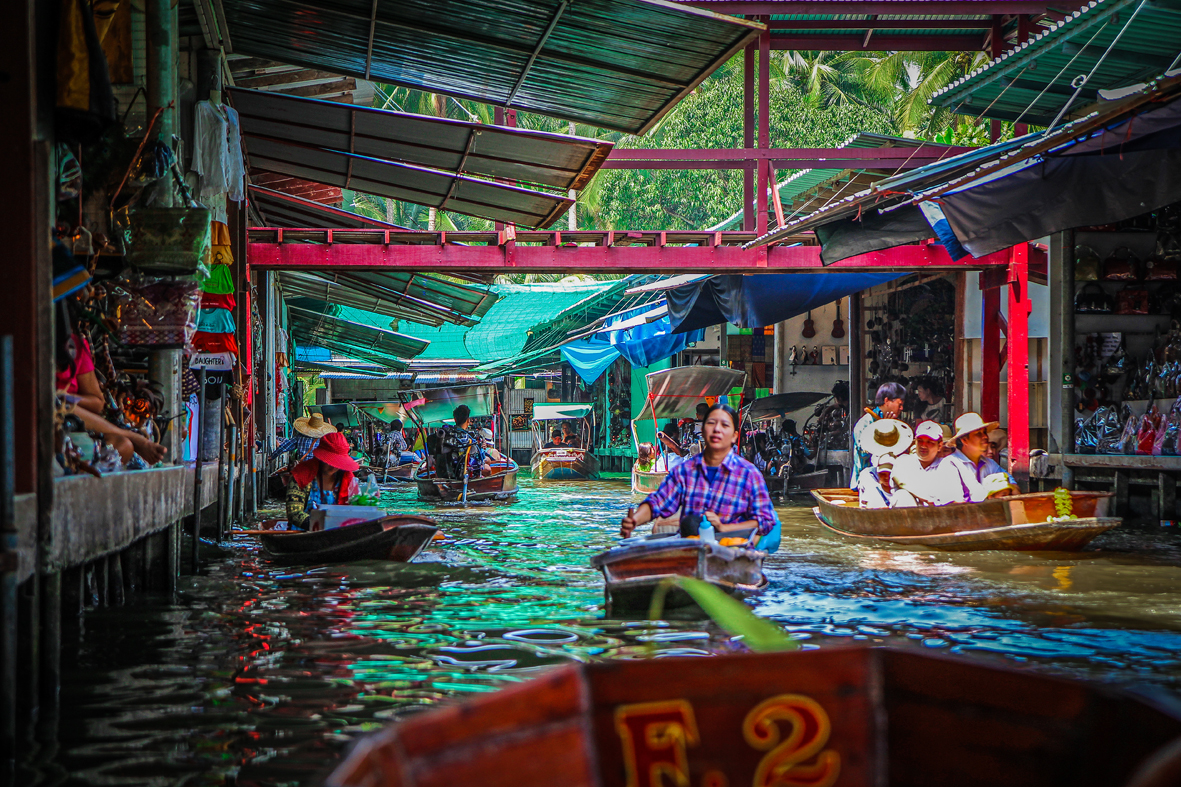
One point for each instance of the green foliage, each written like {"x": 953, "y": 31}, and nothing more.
{"x": 712, "y": 118}
{"x": 758, "y": 634}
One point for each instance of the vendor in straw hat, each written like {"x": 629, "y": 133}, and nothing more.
{"x": 323, "y": 480}
{"x": 884, "y": 440}
{"x": 308, "y": 432}
{"x": 968, "y": 475}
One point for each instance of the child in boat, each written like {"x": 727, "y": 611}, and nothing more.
{"x": 555, "y": 439}
{"x": 646, "y": 461}
{"x": 323, "y": 480}
{"x": 884, "y": 440}
{"x": 717, "y": 486}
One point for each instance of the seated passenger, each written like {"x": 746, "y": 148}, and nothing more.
{"x": 874, "y": 481}
{"x": 884, "y": 440}
{"x": 555, "y": 439}
{"x": 646, "y": 460}
{"x": 914, "y": 473}
{"x": 324, "y": 479}
{"x": 968, "y": 476}
{"x": 491, "y": 455}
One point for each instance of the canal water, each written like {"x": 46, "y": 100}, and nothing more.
{"x": 261, "y": 675}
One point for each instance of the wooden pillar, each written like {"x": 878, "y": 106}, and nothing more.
{"x": 990, "y": 355}
{"x": 1062, "y": 346}
{"x": 748, "y": 136}
{"x": 764, "y": 170}
{"x": 856, "y": 366}
{"x": 50, "y": 652}
{"x": 1167, "y": 484}
{"x": 1018, "y": 360}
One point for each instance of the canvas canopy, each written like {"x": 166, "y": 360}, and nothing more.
{"x": 675, "y": 393}
{"x": 560, "y": 412}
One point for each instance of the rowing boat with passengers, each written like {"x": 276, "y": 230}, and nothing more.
{"x": 843, "y": 716}
{"x": 675, "y": 393}
{"x": 1018, "y": 522}
{"x": 573, "y": 460}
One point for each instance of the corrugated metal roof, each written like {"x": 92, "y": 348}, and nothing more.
{"x": 433, "y": 188}
{"x": 1034, "y": 81}
{"x": 288, "y": 210}
{"x": 558, "y": 160}
{"x": 315, "y": 323}
{"x": 618, "y": 64}
{"x": 400, "y": 295}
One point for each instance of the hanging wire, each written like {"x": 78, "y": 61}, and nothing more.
{"x": 1070, "y": 62}
{"x": 1080, "y": 81}
{"x": 1173, "y": 65}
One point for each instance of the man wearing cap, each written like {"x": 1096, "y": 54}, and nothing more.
{"x": 884, "y": 440}
{"x": 887, "y": 404}
{"x": 914, "y": 476}
{"x": 968, "y": 475}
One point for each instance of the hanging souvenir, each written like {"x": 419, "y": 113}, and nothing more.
{"x": 1086, "y": 264}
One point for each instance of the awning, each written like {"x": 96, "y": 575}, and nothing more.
{"x": 314, "y": 323}
{"x": 559, "y": 160}
{"x": 420, "y": 185}
{"x": 287, "y": 210}
{"x": 618, "y": 64}
{"x": 434, "y": 405}
{"x": 675, "y": 393}
{"x": 403, "y": 296}
{"x": 780, "y": 404}
{"x": 1033, "y": 82}
{"x": 763, "y": 299}
{"x": 560, "y": 412}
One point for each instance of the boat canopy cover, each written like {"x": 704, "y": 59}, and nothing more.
{"x": 336, "y": 413}
{"x": 675, "y": 393}
{"x": 559, "y": 412}
{"x": 763, "y": 299}
{"x": 434, "y": 405}
{"x": 776, "y": 405}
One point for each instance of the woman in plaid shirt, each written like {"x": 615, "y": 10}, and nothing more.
{"x": 717, "y": 485}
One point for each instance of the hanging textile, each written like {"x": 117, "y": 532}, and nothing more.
{"x": 589, "y": 357}
{"x": 217, "y": 153}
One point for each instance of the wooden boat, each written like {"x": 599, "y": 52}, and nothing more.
{"x": 1019, "y": 522}
{"x": 564, "y": 464}
{"x": 501, "y": 485}
{"x": 645, "y": 482}
{"x": 399, "y": 542}
{"x": 401, "y": 473}
{"x": 843, "y": 716}
{"x": 634, "y": 570}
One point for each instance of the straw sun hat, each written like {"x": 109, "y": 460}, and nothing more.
{"x": 887, "y": 436}
{"x": 313, "y": 426}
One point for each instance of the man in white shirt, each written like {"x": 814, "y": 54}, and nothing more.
{"x": 914, "y": 476}
{"x": 968, "y": 476}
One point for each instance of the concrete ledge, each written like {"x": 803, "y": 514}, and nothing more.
{"x": 1117, "y": 462}
{"x": 96, "y": 516}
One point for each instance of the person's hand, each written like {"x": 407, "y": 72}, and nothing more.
{"x": 714, "y": 520}
{"x": 151, "y": 452}
{"x": 627, "y": 527}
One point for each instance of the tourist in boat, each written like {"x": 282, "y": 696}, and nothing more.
{"x": 716, "y": 486}
{"x": 646, "y": 458}
{"x": 570, "y": 436}
{"x": 968, "y": 475}
{"x": 930, "y": 393}
{"x": 693, "y": 439}
{"x": 555, "y": 439}
{"x": 490, "y": 452}
{"x": 457, "y": 442}
{"x": 673, "y": 453}
{"x": 914, "y": 474}
{"x": 887, "y": 404}
{"x": 323, "y": 480}
{"x": 884, "y": 440}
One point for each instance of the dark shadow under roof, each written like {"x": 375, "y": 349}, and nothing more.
{"x": 617, "y": 64}
{"x": 289, "y": 211}
{"x": 562, "y": 161}
{"x": 400, "y": 295}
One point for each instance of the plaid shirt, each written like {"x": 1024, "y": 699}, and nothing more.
{"x": 739, "y": 493}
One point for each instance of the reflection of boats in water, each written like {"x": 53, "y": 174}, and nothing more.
{"x": 1019, "y": 522}
{"x": 394, "y": 538}
{"x": 675, "y": 393}
{"x": 564, "y": 462}
{"x": 633, "y": 570}
{"x": 501, "y": 485}
{"x": 855, "y": 716}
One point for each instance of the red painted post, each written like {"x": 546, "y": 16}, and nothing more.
{"x": 764, "y": 130}
{"x": 1018, "y": 357}
{"x": 748, "y": 136}
{"x": 990, "y": 355}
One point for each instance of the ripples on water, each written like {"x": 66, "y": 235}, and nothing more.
{"x": 261, "y": 675}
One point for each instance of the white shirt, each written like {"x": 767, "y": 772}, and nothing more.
{"x": 933, "y": 412}
{"x": 961, "y": 481}
{"x": 869, "y": 490}
{"x": 922, "y": 482}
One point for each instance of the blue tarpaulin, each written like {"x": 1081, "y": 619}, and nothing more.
{"x": 641, "y": 344}
{"x": 589, "y": 357}
{"x": 762, "y": 299}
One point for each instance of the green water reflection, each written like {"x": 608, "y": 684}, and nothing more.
{"x": 261, "y": 675}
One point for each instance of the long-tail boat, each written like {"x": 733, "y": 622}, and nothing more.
{"x": 395, "y": 538}
{"x": 568, "y": 461}
{"x": 501, "y": 485}
{"x": 675, "y": 393}
{"x": 835, "y": 717}
{"x": 1018, "y": 522}
{"x": 633, "y": 570}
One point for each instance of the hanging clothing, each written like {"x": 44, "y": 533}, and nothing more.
{"x": 215, "y": 321}
{"x": 217, "y": 155}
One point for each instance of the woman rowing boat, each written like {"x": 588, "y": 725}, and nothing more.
{"x": 717, "y": 486}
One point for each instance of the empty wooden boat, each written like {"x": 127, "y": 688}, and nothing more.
{"x": 501, "y": 485}
{"x": 635, "y": 569}
{"x": 1019, "y": 522}
{"x": 399, "y": 543}
{"x": 835, "y": 717}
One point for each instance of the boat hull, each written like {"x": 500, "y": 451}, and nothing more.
{"x": 634, "y": 571}
{"x": 645, "y": 483}
{"x": 499, "y": 486}
{"x": 283, "y": 542}
{"x": 564, "y": 464}
{"x": 399, "y": 544}
{"x": 1019, "y": 522}
{"x": 848, "y": 716}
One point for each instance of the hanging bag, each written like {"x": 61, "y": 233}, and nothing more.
{"x": 1091, "y": 299}
{"x": 1121, "y": 265}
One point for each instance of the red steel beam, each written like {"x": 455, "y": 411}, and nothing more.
{"x": 880, "y": 24}
{"x": 879, "y": 43}
{"x": 847, "y": 155}
{"x": 1018, "y": 357}
{"x": 515, "y": 257}
{"x": 886, "y": 7}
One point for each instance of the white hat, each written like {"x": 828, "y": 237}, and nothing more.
{"x": 486, "y": 433}
{"x": 971, "y": 422}
{"x": 930, "y": 430}
{"x": 887, "y": 436}
{"x": 884, "y": 461}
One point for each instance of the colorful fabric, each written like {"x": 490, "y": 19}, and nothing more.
{"x": 211, "y": 300}
{"x": 738, "y": 494}
{"x": 215, "y": 321}
{"x": 219, "y": 281}
{"x": 79, "y": 350}
{"x": 214, "y": 343}
{"x": 302, "y": 445}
